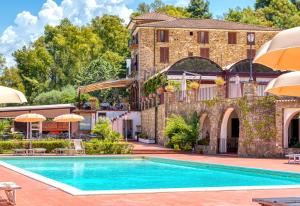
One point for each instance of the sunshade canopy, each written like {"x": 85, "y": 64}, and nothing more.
{"x": 69, "y": 118}
{"x": 9, "y": 95}
{"x": 282, "y": 52}
{"x": 106, "y": 85}
{"x": 30, "y": 117}
{"x": 285, "y": 85}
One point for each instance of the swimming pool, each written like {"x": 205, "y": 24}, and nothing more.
{"x": 109, "y": 175}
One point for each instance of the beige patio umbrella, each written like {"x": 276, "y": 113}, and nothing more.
{"x": 282, "y": 52}
{"x": 285, "y": 85}
{"x": 9, "y": 95}
{"x": 69, "y": 118}
{"x": 30, "y": 118}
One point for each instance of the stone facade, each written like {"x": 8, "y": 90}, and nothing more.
{"x": 261, "y": 122}
{"x": 181, "y": 43}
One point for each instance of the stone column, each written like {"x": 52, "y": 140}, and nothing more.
{"x": 250, "y": 90}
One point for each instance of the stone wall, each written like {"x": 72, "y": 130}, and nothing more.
{"x": 257, "y": 116}
{"x": 181, "y": 43}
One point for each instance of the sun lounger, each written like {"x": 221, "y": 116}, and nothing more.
{"x": 78, "y": 146}
{"x": 39, "y": 151}
{"x": 286, "y": 201}
{"x": 10, "y": 191}
{"x": 293, "y": 157}
{"x": 20, "y": 151}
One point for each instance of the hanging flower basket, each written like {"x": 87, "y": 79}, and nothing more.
{"x": 194, "y": 85}
{"x": 160, "y": 90}
{"x": 219, "y": 81}
{"x": 170, "y": 88}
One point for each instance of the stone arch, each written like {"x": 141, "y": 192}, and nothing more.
{"x": 205, "y": 126}
{"x": 226, "y": 120}
{"x": 289, "y": 114}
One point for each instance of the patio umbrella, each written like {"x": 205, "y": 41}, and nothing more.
{"x": 69, "y": 118}
{"x": 238, "y": 86}
{"x": 285, "y": 85}
{"x": 9, "y": 95}
{"x": 282, "y": 52}
{"x": 30, "y": 118}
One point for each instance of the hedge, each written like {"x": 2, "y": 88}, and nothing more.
{"x": 49, "y": 145}
{"x": 91, "y": 147}
{"x": 107, "y": 147}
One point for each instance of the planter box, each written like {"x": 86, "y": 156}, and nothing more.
{"x": 202, "y": 149}
{"x": 147, "y": 141}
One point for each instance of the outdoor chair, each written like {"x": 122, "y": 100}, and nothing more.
{"x": 293, "y": 157}
{"x": 10, "y": 191}
{"x": 78, "y": 146}
{"x": 20, "y": 151}
{"x": 39, "y": 151}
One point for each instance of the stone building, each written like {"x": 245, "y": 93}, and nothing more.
{"x": 237, "y": 117}
{"x": 159, "y": 40}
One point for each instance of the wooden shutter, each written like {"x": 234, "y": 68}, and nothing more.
{"x": 203, "y": 37}
{"x": 206, "y": 37}
{"x": 158, "y": 36}
{"x": 251, "y": 53}
{"x": 232, "y": 38}
{"x": 166, "y": 35}
{"x": 164, "y": 54}
{"x": 204, "y": 52}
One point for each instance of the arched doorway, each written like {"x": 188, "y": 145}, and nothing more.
{"x": 230, "y": 132}
{"x": 204, "y": 133}
{"x": 291, "y": 136}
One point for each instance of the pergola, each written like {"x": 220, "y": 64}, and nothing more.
{"x": 120, "y": 83}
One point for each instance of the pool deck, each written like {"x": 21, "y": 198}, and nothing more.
{"x": 34, "y": 193}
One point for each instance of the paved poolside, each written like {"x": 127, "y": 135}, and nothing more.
{"x": 34, "y": 193}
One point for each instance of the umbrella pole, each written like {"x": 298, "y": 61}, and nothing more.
{"x": 69, "y": 130}
{"x": 30, "y": 143}
{"x": 27, "y": 128}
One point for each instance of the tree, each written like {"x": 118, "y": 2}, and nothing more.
{"x": 113, "y": 33}
{"x": 143, "y": 8}
{"x": 179, "y": 12}
{"x": 156, "y": 5}
{"x": 199, "y": 9}
{"x": 2, "y": 62}
{"x": 248, "y": 16}
{"x": 277, "y": 13}
{"x": 11, "y": 78}
{"x": 66, "y": 95}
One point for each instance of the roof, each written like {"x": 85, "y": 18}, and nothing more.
{"x": 154, "y": 16}
{"x": 37, "y": 107}
{"x": 206, "y": 24}
{"x": 106, "y": 85}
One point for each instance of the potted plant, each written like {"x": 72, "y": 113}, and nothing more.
{"x": 94, "y": 102}
{"x": 194, "y": 85}
{"x": 170, "y": 88}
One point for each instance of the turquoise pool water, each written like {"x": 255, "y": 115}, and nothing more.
{"x": 126, "y": 173}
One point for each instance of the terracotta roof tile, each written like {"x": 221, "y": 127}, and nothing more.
{"x": 154, "y": 16}
{"x": 206, "y": 24}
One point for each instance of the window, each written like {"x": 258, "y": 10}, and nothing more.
{"x": 190, "y": 54}
{"x": 162, "y": 35}
{"x": 251, "y": 53}
{"x": 86, "y": 124}
{"x": 191, "y": 33}
{"x": 203, "y": 37}
{"x": 164, "y": 54}
{"x": 248, "y": 43}
{"x": 231, "y": 37}
{"x": 204, "y": 52}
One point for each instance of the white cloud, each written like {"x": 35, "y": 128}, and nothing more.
{"x": 28, "y": 27}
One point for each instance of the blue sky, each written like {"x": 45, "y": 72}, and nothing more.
{"x": 22, "y": 21}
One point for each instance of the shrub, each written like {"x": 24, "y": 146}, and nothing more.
{"x": 49, "y": 145}
{"x": 104, "y": 131}
{"x": 143, "y": 136}
{"x": 182, "y": 132}
{"x": 96, "y": 146}
{"x": 4, "y": 126}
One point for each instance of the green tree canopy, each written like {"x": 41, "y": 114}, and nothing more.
{"x": 11, "y": 78}
{"x": 199, "y": 9}
{"x": 2, "y": 62}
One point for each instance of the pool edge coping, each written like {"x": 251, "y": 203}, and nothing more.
{"x": 78, "y": 192}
